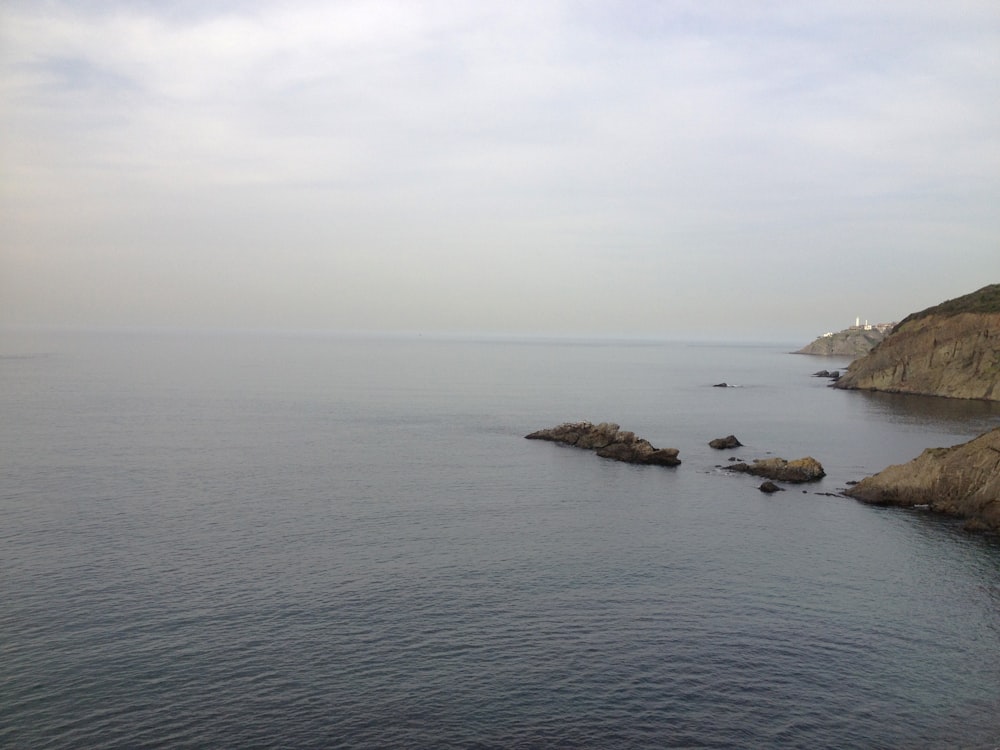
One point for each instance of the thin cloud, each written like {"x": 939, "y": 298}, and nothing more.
{"x": 371, "y": 143}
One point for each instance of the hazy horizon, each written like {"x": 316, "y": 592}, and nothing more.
{"x": 672, "y": 170}
{"x": 42, "y": 332}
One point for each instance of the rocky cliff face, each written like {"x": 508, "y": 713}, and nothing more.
{"x": 961, "y": 481}
{"x": 852, "y": 342}
{"x": 951, "y": 350}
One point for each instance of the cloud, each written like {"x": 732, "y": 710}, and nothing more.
{"x": 440, "y": 159}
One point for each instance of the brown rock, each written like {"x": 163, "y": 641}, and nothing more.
{"x": 581, "y": 434}
{"x": 800, "y": 470}
{"x": 962, "y": 481}
{"x": 609, "y": 441}
{"x": 952, "y": 349}
{"x": 729, "y": 441}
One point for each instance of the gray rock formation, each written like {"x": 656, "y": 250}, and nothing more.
{"x": 609, "y": 441}
{"x": 851, "y": 342}
{"x": 961, "y": 481}
{"x": 800, "y": 470}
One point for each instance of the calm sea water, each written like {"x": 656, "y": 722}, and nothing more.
{"x": 308, "y": 541}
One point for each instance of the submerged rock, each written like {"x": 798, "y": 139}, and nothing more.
{"x": 800, "y": 470}
{"x": 609, "y": 441}
{"x": 729, "y": 441}
{"x": 961, "y": 481}
{"x": 770, "y": 487}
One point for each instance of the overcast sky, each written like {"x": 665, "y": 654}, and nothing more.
{"x": 765, "y": 169}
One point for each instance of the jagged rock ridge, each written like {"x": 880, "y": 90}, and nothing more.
{"x": 609, "y": 441}
{"x": 951, "y": 349}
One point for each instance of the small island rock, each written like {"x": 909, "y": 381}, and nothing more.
{"x": 770, "y": 487}
{"x": 800, "y": 470}
{"x": 729, "y": 441}
{"x": 609, "y": 441}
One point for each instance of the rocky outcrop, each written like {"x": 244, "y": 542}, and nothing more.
{"x": 725, "y": 443}
{"x": 952, "y": 349}
{"x": 961, "y": 481}
{"x": 768, "y": 487}
{"x": 800, "y": 470}
{"x": 851, "y": 342}
{"x": 609, "y": 441}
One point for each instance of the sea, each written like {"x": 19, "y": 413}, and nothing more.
{"x": 310, "y": 540}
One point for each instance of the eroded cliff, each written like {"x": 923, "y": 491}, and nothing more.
{"x": 962, "y": 481}
{"x": 952, "y": 350}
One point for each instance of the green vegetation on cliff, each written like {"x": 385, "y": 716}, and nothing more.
{"x": 951, "y": 349}
{"x": 985, "y": 300}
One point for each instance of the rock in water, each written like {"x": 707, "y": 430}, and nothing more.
{"x": 962, "y": 481}
{"x": 770, "y": 487}
{"x": 729, "y": 441}
{"x": 800, "y": 470}
{"x": 609, "y": 441}
{"x": 581, "y": 434}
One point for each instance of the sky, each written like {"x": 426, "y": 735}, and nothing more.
{"x": 764, "y": 169}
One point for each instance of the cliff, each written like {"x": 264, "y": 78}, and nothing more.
{"x": 851, "y": 342}
{"x": 951, "y": 349}
{"x": 962, "y": 481}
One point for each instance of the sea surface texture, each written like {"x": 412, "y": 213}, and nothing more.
{"x": 278, "y": 541}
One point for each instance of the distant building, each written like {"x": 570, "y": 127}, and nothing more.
{"x": 880, "y": 327}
